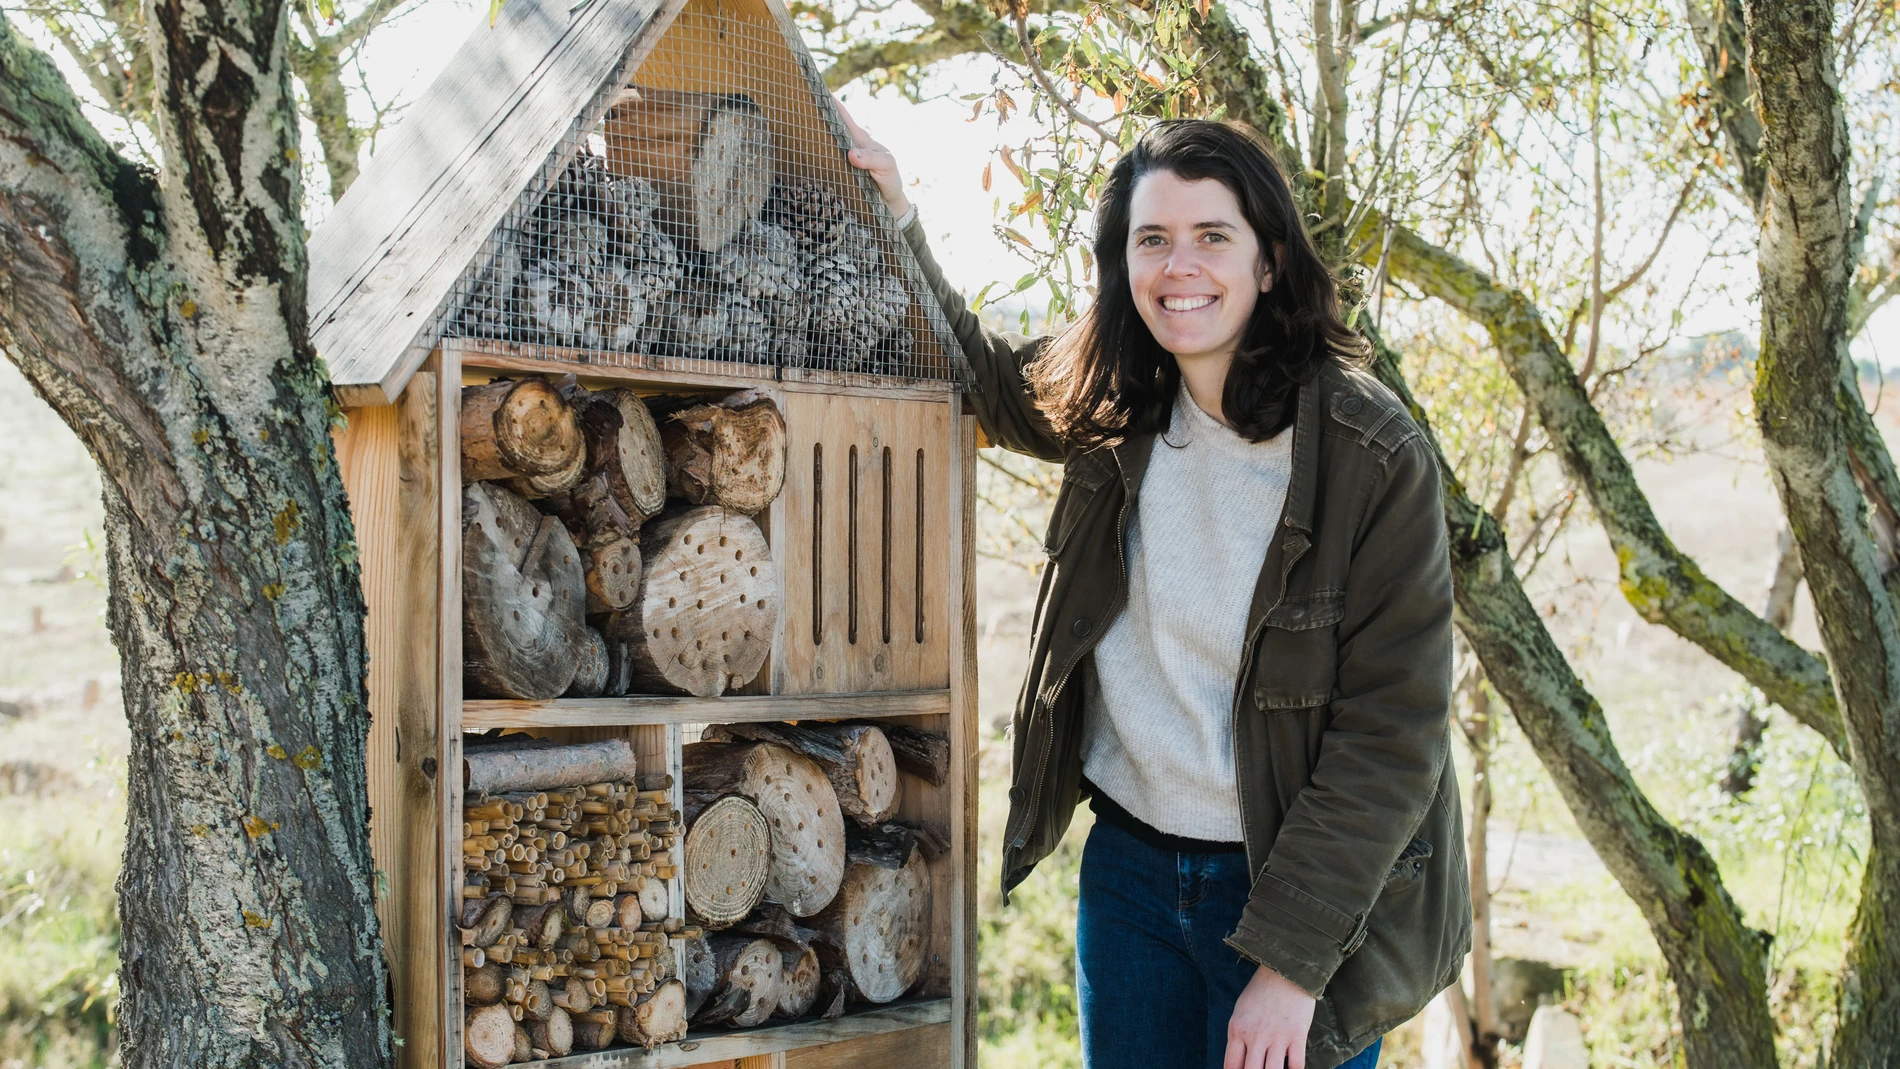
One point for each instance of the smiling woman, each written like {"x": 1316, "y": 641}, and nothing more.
{"x": 1249, "y": 586}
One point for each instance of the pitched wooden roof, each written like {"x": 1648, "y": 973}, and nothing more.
{"x": 388, "y": 256}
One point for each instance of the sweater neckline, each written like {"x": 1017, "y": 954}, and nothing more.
{"x": 1193, "y": 422}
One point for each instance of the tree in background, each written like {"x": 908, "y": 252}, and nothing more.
{"x": 161, "y": 314}
{"x": 1418, "y": 132}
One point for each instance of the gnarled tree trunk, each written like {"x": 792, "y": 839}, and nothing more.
{"x": 163, "y": 318}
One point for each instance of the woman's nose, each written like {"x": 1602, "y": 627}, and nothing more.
{"x": 1182, "y": 265}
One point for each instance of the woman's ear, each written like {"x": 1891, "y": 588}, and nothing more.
{"x": 1266, "y": 268}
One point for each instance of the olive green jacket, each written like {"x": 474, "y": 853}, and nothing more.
{"x": 1348, "y": 801}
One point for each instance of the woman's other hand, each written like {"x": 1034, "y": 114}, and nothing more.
{"x": 1269, "y": 1025}
{"x": 869, "y": 156}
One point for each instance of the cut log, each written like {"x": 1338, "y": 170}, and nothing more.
{"x": 575, "y": 996}
{"x": 590, "y": 666}
{"x": 517, "y": 428}
{"x": 749, "y": 972}
{"x": 488, "y": 1036}
{"x": 703, "y": 620}
{"x": 798, "y": 980}
{"x": 523, "y": 594}
{"x": 698, "y": 972}
{"x": 493, "y": 919}
{"x": 889, "y": 845}
{"x": 538, "y": 1001}
{"x": 881, "y": 920}
{"x": 554, "y": 1035}
{"x": 600, "y": 913}
{"x": 855, "y": 757}
{"x": 655, "y": 902}
{"x": 624, "y": 450}
{"x": 611, "y": 563}
{"x": 540, "y": 487}
{"x": 729, "y": 453}
{"x": 658, "y": 1017}
{"x": 524, "y": 1046}
{"x": 728, "y": 850}
{"x": 709, "y": 155}
{"x": 797, "y": 802}
{"x": 627, "y": 912}
{"x": 595, "y": 1030}
{"x": 619, "y": 660}
{"x": 544, "y": 924}
{"x": 834, "y": 990}
{"x": 484, "y": 985}
{"x": 546, "y": 766}
{"x": 919, "y": 752}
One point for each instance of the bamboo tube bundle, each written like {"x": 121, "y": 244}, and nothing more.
{"x": 560, "y": 847}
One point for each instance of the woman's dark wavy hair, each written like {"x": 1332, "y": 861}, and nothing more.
{"x": 1106, "y": 378}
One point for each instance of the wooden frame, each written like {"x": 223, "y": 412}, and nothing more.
{"x": 401, "y": 465}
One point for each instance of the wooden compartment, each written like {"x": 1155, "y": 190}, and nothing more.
{"x": 396, "y": 467}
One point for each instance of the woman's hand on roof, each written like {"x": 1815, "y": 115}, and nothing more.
{"x": 876, "y": 160}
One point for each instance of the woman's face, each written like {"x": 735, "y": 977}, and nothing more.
{"x": 1194, "y": 265}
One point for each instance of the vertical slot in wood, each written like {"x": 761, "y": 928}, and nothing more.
{"x": 817, "y": 544}
{"x": 884, "y": 561}
{"x": 919, "y": 587}
{"x": 851, "y": 550}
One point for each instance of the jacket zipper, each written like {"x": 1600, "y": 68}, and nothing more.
{"x": 1042, "y": 767}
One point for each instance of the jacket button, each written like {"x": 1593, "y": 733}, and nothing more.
{"x": 1081, "y": 627}
{"x": 1350, "y": 406}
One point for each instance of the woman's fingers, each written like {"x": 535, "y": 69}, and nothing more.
{"x": 874, "y": 159}
{"x": 1236, "y": 1054}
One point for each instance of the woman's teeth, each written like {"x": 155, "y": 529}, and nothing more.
{"x": 1185, "y": 304}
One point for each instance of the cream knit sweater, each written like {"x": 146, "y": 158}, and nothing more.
{"x": 1158, "y": 733}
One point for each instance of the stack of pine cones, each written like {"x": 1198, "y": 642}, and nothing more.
{"x": 854, "y": 304}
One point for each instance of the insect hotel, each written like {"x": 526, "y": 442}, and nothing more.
{"x": 663, "y": 490}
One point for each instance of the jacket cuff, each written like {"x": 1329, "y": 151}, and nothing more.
{"x": 1295, "y": 934}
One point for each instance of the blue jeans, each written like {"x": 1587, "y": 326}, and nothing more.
{"x": 1156, "y": 982}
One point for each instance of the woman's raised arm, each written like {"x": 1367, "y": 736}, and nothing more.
{"x": 1003, "y": 401}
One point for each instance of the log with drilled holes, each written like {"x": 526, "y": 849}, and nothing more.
{"x": 748, "y": 972}
{"x": 726, "y": 855}
{"x": 877, "y": 930}
{"x": 518, "y": 428}
{"x": 590, "y": 666}
{"x": 703, "y": 620}
{"x": 799, "y": 805}
{"x": 523, "y": 597}
{"x": 611, "y": 563}
{"x": 698, "y": 972}
{"x": 729, "y": 452}
{"x": 855, "y": 757}
{"x": 659, "y": 1017}
{"x": 798, "y": 980}
{"x": 709, "y": 155}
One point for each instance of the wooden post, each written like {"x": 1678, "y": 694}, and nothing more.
{"x": 963, "y": 739}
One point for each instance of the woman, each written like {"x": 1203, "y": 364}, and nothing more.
{"x": 1242, "y": 649}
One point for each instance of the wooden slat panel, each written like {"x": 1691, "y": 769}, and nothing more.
{"x": 448, "y": 674}
{"x": 367, "y": 459}
{"x": 918, "y": 1048}
{"x": 484, "y": 714}
{"x": 392, "y": 249}
{"x": 965, "y": 737}
{"x": 919, "y": 1023}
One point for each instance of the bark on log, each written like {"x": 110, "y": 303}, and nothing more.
{"x": 523, "y": 594}
{"x": 484, "y": 985}
{"x": 881, "y": 920}
{"x": 493, "y": 918}
{"x": 553, "y": 484}
{"x": 524, "y": 1045}
{"x": 727, "y": 854}
{"x": 703, "y": 620}
{"x": 855, "y": 757}
{"x": 554, "y": 1035}
{"x": 544, "y": 924}
{"x": 488, "y": 1036}
{"x": 591, "y": 667}
{"x": 798, "y": 980}
{"x": 595, "y": 1030}
{"x": 748, "y": 972}
{"x": 798, "y": 802}
{"x": 709, "y": 155}
{"x": 919, "y": 752}
{"x": 538, "y": 1002}
{"x": 658, "y": 1017}
{"x": 729, "y": 452}
{"x": 516, "y": 428}
{"x": 540, "y": 768}
{"x": 698, "y": 973}
{"x": 889, "y": 845}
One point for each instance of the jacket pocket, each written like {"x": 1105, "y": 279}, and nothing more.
{"x": 1298, "y": 659}
{"x": 1081, "y": 478}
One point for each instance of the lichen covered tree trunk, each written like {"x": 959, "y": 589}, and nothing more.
{"x": 1834, "y": 483}
{"x": 163, "y": 318}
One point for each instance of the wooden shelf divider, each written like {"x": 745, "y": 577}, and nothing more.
{"x": 482, "y": 714}
{"x": 766, "y": 1039}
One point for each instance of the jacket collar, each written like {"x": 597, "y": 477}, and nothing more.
{"x": 1132, "y": 454}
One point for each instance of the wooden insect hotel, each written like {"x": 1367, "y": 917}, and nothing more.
{"x": 663, "y": 491}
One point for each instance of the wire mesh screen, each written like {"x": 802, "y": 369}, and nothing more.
{"x": 701, "y": 217}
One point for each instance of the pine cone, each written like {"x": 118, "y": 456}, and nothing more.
{"x": 816, "y": 216}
